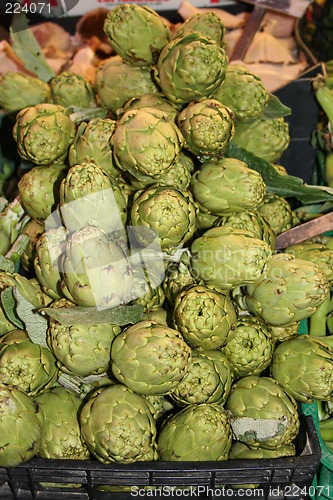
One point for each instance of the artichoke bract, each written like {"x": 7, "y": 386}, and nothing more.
{"x": 281, "y": 333}
{"x": 19, "y": 91}
{"x": 167, "y": 211}
{"x": 243, "y": 92}
{"x": 146, "y": 143}
{"x": 157, "y": 101}
{"x": 39, "y": 188}
{"x": 58, "y": 416}
{"x": 303, "y": 366}
{"x": 196, "y": 433}
{"x": 226, "y": 257}
{"x": 95, "y": 269}
{"x": 208, "y": 380}
{"x": 137, "y": 33}
{"x": 177, "y": 277}
{"x": 91, "y": 196}
{"x": 253, "y": 221}
{"x": 317, "y": 253}
{"x": 116, "y": 82}
{"x": 190, "y": 67}
{"x": 92, "y": 145}
{"x": 44, "y": 133}
{"x": 149, "y": 358}
{"x": 178, "y": 176}
{"x": 69, "y": 89}
{"x": 292, "y": 290}
{"x": 26, "y": 365}
{"x": 278, "y": 213}
{"x": 263, "y": 414}
{"x": 118, "y": 425}
{"x": 267, "y": 139}
{"x": 204, "y": 316}
{"x": 34, "y": 230}
{"x": 49, "y": 248}
{"x": 207, "y": 127}
{"x": 250, "y": 350}
{"x": 227, "y": 185}
{"x": 207, "y": 23}
{"x": 81, "y": 349}
{"x": 20, "y": 432}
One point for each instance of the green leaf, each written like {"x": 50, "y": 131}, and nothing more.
{"x": 275, "y": 108}
{"x": 27, "y": 48}
{"x": 9, "y": 305}
{"x": 120, "y": 315}
{"x": 287, "y": 186}
{"x": 36, "y": 324}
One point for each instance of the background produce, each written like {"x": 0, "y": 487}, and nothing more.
{"x": 141, "y": 293}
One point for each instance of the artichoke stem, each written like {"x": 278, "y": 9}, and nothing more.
{"x": 317, "y": 322}
{"x": 17, "y": 250}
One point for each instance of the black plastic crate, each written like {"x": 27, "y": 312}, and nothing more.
{"x": 275, "y": 479}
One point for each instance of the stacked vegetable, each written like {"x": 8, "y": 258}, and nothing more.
{"x": 150, "y": 307}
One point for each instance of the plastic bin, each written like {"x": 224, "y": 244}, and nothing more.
{"x": 275, "y": 479}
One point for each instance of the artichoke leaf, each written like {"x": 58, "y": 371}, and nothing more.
{"x": 8, "y": 303}
{"x": 35, "y": 324}
{"x": 27, "y": 48}
{"x": 283, "y": 185}
{"x": 275, "y": 108}
{"x": 261, "y": 429}
{"x": 119, "y": 315}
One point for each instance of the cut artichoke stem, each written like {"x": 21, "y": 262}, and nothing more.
{"x": 79, "y": 115}
{"x": 6, "y": 265}
{"x": 16, "y": 251}
{"x": 262, "y": 429}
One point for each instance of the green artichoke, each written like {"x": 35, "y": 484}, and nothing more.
{"x": 11, "y": 218}
{"x": 227, "y": 185}
{"x": 178, "y": 176}
{"x": 303, "y": 366}
{"x": 267, "y": 139}
{"x": 205, "y": 316}
{"x": 34, "y": 230}
{"x": 150, "y": 358}
{"x": 251, "y": 347}
{"x": 44, "y": 133}
{"x": 150, "y": 294}
{"x": 205, "y": 220}
{"x": 239, "y": 451}
{"x": 243, "y": 92}
{"x": 58, "y": 416}
{"x": 39, "y": 188}
{"x": 167, "y": 211}
{"x": 177, "y": 277}
{"x": 18, "y": 91}
{"x": 207, "y": 127}
{"x": 26, "y": 365}
{"x": 96, "y": 270}
{"x": 137, "y": 33}
{"x": 92, "y": 145}
{"x": 81, "y": 349}
{"x": 91, "y": 196}
{"x": 49, "y": 248}
{"x": 208, "y": 380}
{"x": 116, "y": 82}
{"x": 226, "y": 257}
{"x": 281, "y": 333}
{"x": 196, "y": 433}
{"x": 317, "y": 253}
{"x": 157, "y": 101}
{"x": 157, "y": 315}
{"x": 292, "y": 290}
{"x": 263, "y": 414}
{"x": 118, "y": 425}
{"x": 253, "y": 221}
{"x": 69, "y": 89}
{"x": 20, "y": 432}
{"x": 146, "y": 143}
{"x": 208, "y": 24}
{"x": 278, "y": 213}
{"x": 43, "y": 298}
{"x": 189, "y": 67}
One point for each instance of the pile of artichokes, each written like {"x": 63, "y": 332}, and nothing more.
{"x": 143, "y": 207}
